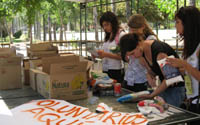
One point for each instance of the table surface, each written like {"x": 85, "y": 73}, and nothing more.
{"x": 175, "y": 115}
{"x": 17, "y": 97}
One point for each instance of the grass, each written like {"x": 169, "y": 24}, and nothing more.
{"x": 17, "y": 40}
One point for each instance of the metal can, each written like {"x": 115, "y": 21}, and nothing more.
{"x": 117, "y": 89}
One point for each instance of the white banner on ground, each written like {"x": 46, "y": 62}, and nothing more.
{"x": 59, "y": 112}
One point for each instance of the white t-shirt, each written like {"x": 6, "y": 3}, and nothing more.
{"x": 109, "y": 63}
{"x": 194, "y": 62}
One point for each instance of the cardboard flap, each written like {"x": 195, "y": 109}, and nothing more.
{"x": 47, "y": 61}
{"x": 35, "y": 63}
{"x": 62, "y": 68}
{"x": 90, "y": 63}
{"x": 41, "y": 47}
{"x": 38, "y": 71}
{"x": 10, "y": 61}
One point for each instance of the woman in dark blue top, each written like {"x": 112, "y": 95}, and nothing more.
{"x": 150, "y": 51}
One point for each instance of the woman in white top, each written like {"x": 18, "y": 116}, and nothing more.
{"x": 188, "y": 27}
{"x": 112, "y": 64}
{"x": 135, "y": 76}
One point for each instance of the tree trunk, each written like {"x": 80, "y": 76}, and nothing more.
{"x": 35, "y": 28}
{"x": 61, "y": 26}
{"x": 65, "y": 32}
{"x": 113, "y": 7}
{"x": 8, "y": 30}
{"x": 192, "y": 3}
{"x": 54, "y": 32}
{"x": 61, "y": 32}
{"x": 44, "y": 29}
{"x": 49, "y": 22}
{"x": 13, "y": 26}
{"x": 128, "y": 9}
{"x": 95, "y": 23}
{"x": 68, "y": 26}
{"x": 38, "y": 26}
{"x": 30, "y": 33}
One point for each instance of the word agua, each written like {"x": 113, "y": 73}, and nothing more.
{"x": 53, "y": 112}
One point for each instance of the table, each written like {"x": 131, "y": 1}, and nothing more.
{"x": 179, "y": 115}
{"x": 17, "y": 97}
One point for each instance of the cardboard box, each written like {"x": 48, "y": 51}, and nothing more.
{"x": 66, "y": 80}
{"x": 34, "y": 64}
{"x": 10, "y": 73}
{"x": 47, "y": 61}
{"x": 41, "y": 54}
{"x": 42, "y": 50}
{"x": 7, "y": 52}
{"x": 42, "y": 47}
{"x": 26, "y": 66}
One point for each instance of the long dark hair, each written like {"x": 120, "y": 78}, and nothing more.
{"x": 112, "y": 18}
{"x": 190, "y": 17}
{"x": 128, "y": 42}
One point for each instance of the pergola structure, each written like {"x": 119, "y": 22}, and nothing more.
{"x": 83, "y": 8}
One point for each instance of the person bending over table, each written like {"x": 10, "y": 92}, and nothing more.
{"x": 150, "y": 51}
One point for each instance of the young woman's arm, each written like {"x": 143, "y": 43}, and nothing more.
{"x": 186, "y": 66}
{"x": 162, "y": 86}
{"x": 103, "y": 54}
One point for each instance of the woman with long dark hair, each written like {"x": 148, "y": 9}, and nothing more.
{"x": 188, "y": 27}
{"x": 111, "y": 61}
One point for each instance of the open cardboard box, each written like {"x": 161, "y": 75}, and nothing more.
{"x": 62, "y": 77}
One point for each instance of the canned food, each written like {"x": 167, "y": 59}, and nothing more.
{"x": 117, "y": 89}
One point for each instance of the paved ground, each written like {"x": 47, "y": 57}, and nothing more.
{"x": 17, "y": 97}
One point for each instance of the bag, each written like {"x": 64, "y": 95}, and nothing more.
{"x": 187, "y": 104}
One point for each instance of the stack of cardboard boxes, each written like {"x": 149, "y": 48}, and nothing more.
{"x": 36, "y": 52}
{"x": 42, "y": 50}
{"x": 10, "y": 69}
{"x": 60, "y": 77}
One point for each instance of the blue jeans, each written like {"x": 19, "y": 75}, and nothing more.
{"x": 174, "y": 95}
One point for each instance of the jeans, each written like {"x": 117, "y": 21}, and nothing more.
{"x": 174, "y": 95}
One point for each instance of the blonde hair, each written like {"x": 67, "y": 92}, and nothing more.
{"x": 137, "y": 21}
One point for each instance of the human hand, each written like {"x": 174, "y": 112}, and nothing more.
{"x": 101, "y": 54}
{"x": 127, "y": 58}
{"x": 151, "y": 80}
{"x": 175, "y": 62}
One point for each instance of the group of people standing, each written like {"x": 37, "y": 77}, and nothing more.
{"x": 141, "y": 49}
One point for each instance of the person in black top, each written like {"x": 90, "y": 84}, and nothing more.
{"x": 149, "y": 52}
